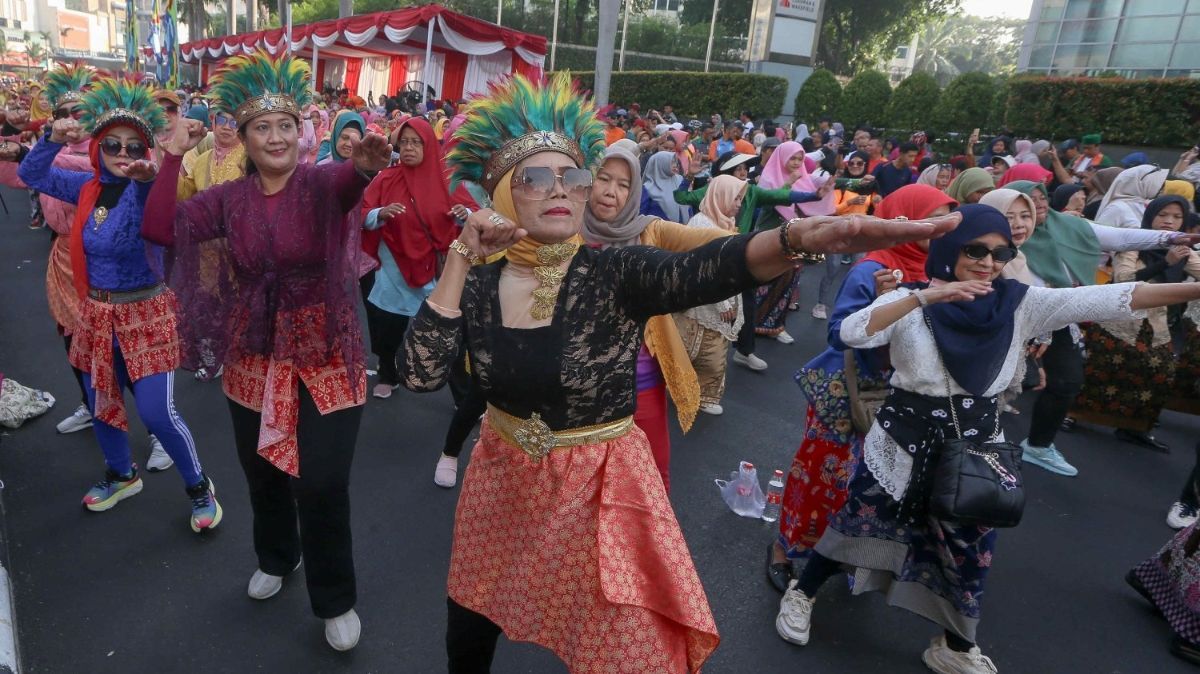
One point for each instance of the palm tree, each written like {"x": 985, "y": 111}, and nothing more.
{"x": 35, "y": 51}
{"x": 935, "y": 49}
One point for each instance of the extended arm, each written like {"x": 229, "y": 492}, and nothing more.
{"x": 782, "y": 196}
{"x": 37, "y": 171}
{"x": 202, "y": 215}
{"x": 679, "y": 238}
{"x": 691, "y": 197}
{"x": 1117, "y": 239}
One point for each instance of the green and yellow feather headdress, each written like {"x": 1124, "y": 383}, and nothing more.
{"x": 518, "y": 118}
{"x": 68, "y": 82}
{"x": 112, "y": 101}
{"x": 256, "y": 84}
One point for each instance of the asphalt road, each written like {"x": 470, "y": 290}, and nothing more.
{"x": 134, "y": 590}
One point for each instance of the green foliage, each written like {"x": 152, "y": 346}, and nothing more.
{"x": 962, "y": 43}
{"x": 999, "y": 105}
{"x": 1157, "y": 112}
{"x": 966, "y": 103}
{"x": 732, "y": 15}
{"x": 865, "y": 99}
{"x": 697, "y": 94}
{"x": 821, "y": 94}
{"x": 913, "y": 100}
{"x": 860, "y": 34}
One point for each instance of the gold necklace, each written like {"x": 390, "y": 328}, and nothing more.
{"x": 100, "y": 215}
{"x": 550, "y": 274}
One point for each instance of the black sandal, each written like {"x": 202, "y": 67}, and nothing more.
{"x": 778, "y": 573}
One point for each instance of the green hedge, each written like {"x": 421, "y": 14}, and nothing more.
{"x": 966, "y": 103}
{"x": 697, "y": 94}
{"x": 865, "y": 100}
{"x": 913, "y": 100}
{"x": 821, "y": 94}
{"x": 1157, "y": 112}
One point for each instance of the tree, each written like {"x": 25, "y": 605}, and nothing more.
{"x": 966, "y": 103}
{"x": 859, "y": 34}
{"x": 953, "y": 45}
{"x": 35, "y": 51}
{"x": 732, "y": 15}
{"x": 912, "y": 100}
{"x": 864, "y": 100}
{"x": 820, "y": 94}
{"x": 3, "y": 46}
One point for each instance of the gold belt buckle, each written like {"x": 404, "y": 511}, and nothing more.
{"x": 535, "y": 437}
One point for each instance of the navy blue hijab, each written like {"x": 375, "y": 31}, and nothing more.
{"x": 973, "y": 338}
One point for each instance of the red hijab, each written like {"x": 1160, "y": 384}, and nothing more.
{"x": 914, "y": 202}
{"x": 425, "y": 229}
{"x": 1031, "y": 172}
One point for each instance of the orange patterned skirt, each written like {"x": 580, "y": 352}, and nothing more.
{"x": 61, "y": 295}
{"x": 145, "y": 331}
{"x": 580, "y": 553}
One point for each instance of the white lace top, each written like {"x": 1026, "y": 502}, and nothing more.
{"x": 918, "y": 367}
{"x": 709, "y": 315}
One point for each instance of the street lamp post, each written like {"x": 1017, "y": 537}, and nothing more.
{"x": 605, "y": 40}
{"x": 624, "y": 35}
{"x": 554, "y": 38}
{"x": 712, "y": 28}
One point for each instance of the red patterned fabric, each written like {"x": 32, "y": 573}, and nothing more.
{"x": 580, "y": 553}
{"x": 818, "y": 483}
{"x": 651, "y": 417}
{"x": 144, "y": 330}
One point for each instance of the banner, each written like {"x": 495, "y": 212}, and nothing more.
{"x": 131, "y": 42}
{"x": 164, "y": 44}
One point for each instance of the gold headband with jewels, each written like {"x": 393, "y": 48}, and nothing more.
{"x": 69, "y": 97}
{"x": 261, "y": 105}
{"x": 511, "y": 153}
{"x": 123, "y": 116}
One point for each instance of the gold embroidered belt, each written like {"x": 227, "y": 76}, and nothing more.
{"x": 536, "y": 438}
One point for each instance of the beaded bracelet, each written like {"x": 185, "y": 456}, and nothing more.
{"x": 793, "y": 253}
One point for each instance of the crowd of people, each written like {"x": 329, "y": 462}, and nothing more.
{"x": 573, "y": 274}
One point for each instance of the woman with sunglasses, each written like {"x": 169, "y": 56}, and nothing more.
{"x": 857, "y": 194}
{"x": 282, "y": 318}
{"x": 126, "y": 336}
{"x": 972, "y": 325}
{"x": 563, "y": 527}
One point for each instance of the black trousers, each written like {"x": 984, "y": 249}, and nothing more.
{"x": 309, "y": 515}
{"x": 745, "y": 340}
{"x": 470, "y": 640}
{"x": 386, "y": 331}
{"x": 1190, "y": 494}
{"x": 469, "y": 404}
{"x": 1063, "y": 363}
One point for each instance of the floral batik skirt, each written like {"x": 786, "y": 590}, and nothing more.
{"x": 931, "y": 567}
{"x": 771, "y": 304}
{"x": 1172, "y": 578}
{"x": 1124, "y": 385}
{"x": 580, "y": 552}
{"x": 1184, "y": 392}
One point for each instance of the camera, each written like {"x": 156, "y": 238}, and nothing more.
{"x": 855, "y": 185}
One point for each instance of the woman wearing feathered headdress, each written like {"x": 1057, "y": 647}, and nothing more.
{"x": 542, "y": 550}
{"x": 118, "y": 280}
{"x": 266, "y": 271}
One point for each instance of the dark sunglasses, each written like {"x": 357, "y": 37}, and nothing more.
{"x": 112, "y": 147}
{"x": 63, "y": 113}
{"x": 538, "y": 182}
{"x": 225, "y": 120}
{"x": 171, "y": 109}
{"x": 978, "y": 251}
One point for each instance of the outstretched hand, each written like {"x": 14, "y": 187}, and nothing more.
{"x": 372, "y": 153}
{"x": 862, "y": 233}
{"x": 142, "y": 170}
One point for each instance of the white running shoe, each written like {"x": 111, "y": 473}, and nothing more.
{"x": 714, "y": 409}
{"x": 343, "y": 631}
{"x": 1181, "y": 516}
{"x": 80, "y": 419}
{"x": 795, "y": 615}
{"x": 264, "y": 585}
{"x": 384, "y": 391}
{"x": 820, "y": 312}
{"x": 942, "y": 659}
{"x": 784, "y": 338}
{"x": 446, "y": 473}
{"x": 159, "y": 459}
{"x": 752, "y": 361}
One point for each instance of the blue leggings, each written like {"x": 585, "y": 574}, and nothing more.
{"x": 154, "y": 396}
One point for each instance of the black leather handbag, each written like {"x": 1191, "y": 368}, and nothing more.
{"x": 977, "y": 482}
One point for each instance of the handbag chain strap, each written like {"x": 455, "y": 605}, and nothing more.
{"x": 950, "y": 394}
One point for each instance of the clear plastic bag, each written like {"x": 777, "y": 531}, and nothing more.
{"x": 742, "y": 492}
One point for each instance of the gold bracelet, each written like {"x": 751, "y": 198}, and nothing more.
{"x": 793, "y": 253}
{"x": 461, "y": 248}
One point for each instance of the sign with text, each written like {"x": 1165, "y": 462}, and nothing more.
{"x": 798, "y": 9}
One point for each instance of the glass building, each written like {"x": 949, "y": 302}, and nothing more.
{"x": 1135, "y": 38}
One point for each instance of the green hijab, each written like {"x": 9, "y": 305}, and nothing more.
{"x": 968, "y": 182}
{"x": 1061, "y": 243}
{"x": 343, "y": 120}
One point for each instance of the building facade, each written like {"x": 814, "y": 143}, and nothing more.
{"x": 1133, "y": 38}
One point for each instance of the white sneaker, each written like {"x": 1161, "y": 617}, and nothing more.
{"x": 752, "y": 361}
{"x": 712, "y": 408}
{"x": 820, "y": 312}
{"x": 343, "y": 631}
{"x": 795, "y": 615}
{"x": 159, "y": 459}
{"x": 784, "y": 338}
{"x": 383, "y": 391}
{"x": 941, "y": 659}
{"x": 80, "y": 419}
{"x": 1181, "y": 516}
{"x": 446, "y": 473}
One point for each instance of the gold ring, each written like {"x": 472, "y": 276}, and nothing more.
{"x": 496, "y": 219}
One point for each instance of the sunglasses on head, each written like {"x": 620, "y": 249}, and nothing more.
{"x": 978, "y": 251}
{"x": 225, "y": 120}
{"x": 63, "y": 113}
{"x": 112, "y": 147}
{"x": 538, "y": 182}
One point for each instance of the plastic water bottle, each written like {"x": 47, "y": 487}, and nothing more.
{"x": 774, "y": 497}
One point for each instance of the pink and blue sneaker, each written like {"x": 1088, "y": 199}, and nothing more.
{"x": 206, "y": 511}
{"x": 112, "y": 490}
